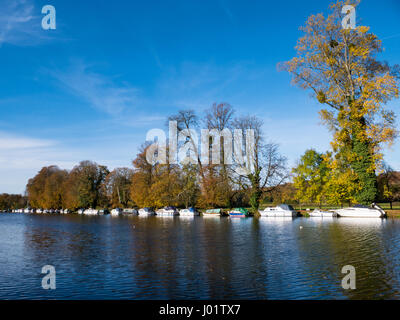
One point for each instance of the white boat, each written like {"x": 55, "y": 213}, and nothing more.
{"x": 45, "y": 211}
{"x": 361, "y": 211}
{"x": 282, "y": 210}
{"x": 116, "y": 212}
{"x": 39, "y": 211}
{"x": 91, "y": 212}
{"x": 146, "y": 212}
{"x": 189, "y": 212}
{"x": 81, "y": 211}
{"x": 129, "y": 211}
{"x": 323, "y": 214}
{"x": 167, "y": 211}
{"x": 27, "y": 210}
{"x": 65, "y": 211}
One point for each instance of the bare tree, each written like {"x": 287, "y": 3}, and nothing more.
{"x": 266, "y": 169}
{"x": 188, "y": 120}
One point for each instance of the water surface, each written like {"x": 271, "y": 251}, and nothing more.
{"x": 104, "y": 257}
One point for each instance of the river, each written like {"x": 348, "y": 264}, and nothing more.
{"x": 130, "y": 257}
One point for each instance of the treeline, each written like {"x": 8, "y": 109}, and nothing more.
{"x": 86, "y": 185}
{"x": 12, "y": 201}
{"x": 155, "y": 184}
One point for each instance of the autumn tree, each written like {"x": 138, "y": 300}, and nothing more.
{"x": 12, "y": 201}
{"x": 310, "y": 177}
{"x": 389, "y": 185}
{"x": 142, "y": 178}
{"x": 189, "y": 190}
{"x": 88, "y": 183}
{"x": 53, "y": 190}
{"x": 45, "y": 190}
{"x": 285, "y": 193}
{"x": 341, "y": 69}
{"x": 118, "y": 187}
{"x": 218, "y": 119}
{"x": 342, "y": 182}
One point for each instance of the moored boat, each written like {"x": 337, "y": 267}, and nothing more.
{"x": 362, "y": 211}
{"x": 91, "y": 212}
{"x": 239, "y": 213}
{"x": 317, "y": 213}
{"x": 167, "y": 212}
{"x": 189, "y": 212}
{"x": 282, "y": 210}
{"x": 146, "y": 212}
{"x": 81, "y": 211}
{"x": 116, "y": 212}
{"x": 103, "y": 212}
{"x": 129, "y": 211}
{"x": 212, "y": 213}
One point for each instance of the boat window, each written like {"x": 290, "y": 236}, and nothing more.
{"x": 285, "y": 207}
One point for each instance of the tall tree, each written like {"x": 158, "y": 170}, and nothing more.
{"x": 142, "y": 178}
{"x": 341, "y": 69}
{"x": 45, "y": 189}
{"x": 219, "y": 118}
{"x": 88, "y": 181}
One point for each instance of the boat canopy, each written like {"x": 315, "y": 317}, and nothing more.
{"x": 286, "y": 207}
{"x": 213, "y": 211}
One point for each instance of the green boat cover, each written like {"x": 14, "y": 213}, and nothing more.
{"x": 213, "y": 211}
{"x": 242, "y": 210}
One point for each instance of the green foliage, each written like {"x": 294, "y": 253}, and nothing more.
{"x": 366, "y": 178}
{"x": 310, "y": 177}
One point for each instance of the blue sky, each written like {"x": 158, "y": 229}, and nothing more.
{"x": 112, "y": 70}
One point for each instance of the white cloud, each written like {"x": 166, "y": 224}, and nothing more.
{"x": 8, "y": 142}
{"x": 20, "y": 23}
{"x": 98, "y": 90}
{"x": 22, "y": 157}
